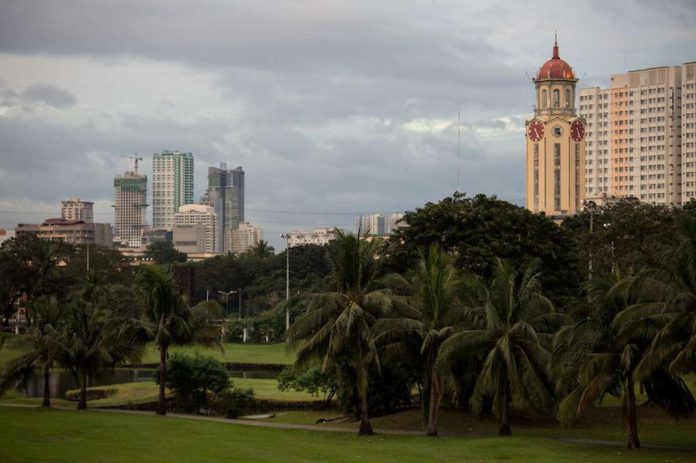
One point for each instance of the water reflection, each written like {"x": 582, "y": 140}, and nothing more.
{"x": 62, "y": 380}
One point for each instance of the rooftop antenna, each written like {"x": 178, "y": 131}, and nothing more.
{"x": 135, "y": 160}
{"x": 459, "y": 138}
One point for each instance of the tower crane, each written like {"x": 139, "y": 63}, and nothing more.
{"x": 135, "y": 160}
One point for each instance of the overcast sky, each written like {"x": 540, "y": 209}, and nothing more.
{"x": 333, "y": 108}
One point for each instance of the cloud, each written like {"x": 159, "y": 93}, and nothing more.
{"x": 49, "y": 95}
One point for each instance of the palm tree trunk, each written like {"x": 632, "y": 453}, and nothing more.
{"x": 504, "y": 413}
{"x": 47, "y": 385}
{"x": 161, "y": 400}
{"x": 82, "y": 403}
{"x": 365, "y": 426}
{"x": 434, "y": 407}
{"x": 630, "y": 415}
{"x": 426, "y": 396}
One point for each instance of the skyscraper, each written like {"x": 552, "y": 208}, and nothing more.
{"x": 226, "y": 195}
{"x": 74, "y": 209}
{"x": 641, "y": 136}
{"x": 555, "y": 143}
{"x": 130, "y": 203}
{"x": 172, "y": 186}
{"x": 376, "y": 224}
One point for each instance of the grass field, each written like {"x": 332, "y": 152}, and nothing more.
{"x": 42, "y": 436}
{"x": 262, "y": 354}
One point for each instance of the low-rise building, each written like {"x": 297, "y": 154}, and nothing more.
{"x": 69, "y": 231}
{"x": 320, "y": 236}
{"x": 194, "y": 229}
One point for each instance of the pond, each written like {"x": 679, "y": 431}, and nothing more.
{"x": 62, "y": 380}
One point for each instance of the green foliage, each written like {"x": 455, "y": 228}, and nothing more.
{"x": 164, "y": 252}
{"x": 236, "y": 402}
{"x": 626, "y": 234}
{"x": 191, "y": 377}
{"x": 481, "y": 228}
{"x": 312, "y": 379}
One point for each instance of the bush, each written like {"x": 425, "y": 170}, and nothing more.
{"x": 192, "y": 377}
{"x": 236, "y": 402}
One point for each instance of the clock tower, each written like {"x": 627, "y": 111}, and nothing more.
{"x": 555, "y": 143}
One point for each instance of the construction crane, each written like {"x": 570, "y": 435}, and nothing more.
{"x": 135, "y": 159}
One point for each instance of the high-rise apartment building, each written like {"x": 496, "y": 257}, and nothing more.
{"x": 245, "y": 237}
{"x": 375, "y": 224}
{"x": 74, "y": 209}
{"x": 226, "y": 195}
{"x": 130, "y": 203}
{"x": 172, "y": 186}
{"x": 555, "y": 143}
{"x": 641, "y": 136}
{"x": 396, "y": 222}
{"x": 194, "y": 229}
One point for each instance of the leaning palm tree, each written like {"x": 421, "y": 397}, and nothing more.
{"x": 610, "y": 344}
{"x": 432, "y": 311}
{"x": 41, "y": 345}
{"x": 514, "y": 313}
{"x": 336, "y": 326}
{"x": 170, "y": 321}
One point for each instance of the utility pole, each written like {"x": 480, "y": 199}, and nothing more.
{"x": 287, "y": 280}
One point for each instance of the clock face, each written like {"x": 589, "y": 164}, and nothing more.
{"x": 535, "y": 131}
{"x": 577, "y": 131}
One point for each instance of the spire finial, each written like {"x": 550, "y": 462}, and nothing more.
{"x": 555, "y": 45}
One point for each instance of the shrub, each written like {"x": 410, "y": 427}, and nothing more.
{"x": 192, "y": 377}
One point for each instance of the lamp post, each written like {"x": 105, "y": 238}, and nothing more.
{"x": 227, "y": 299}
{"x": 590, "y": 206}
{"x": 287, "y": 279}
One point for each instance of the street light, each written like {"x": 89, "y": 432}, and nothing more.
{"x": 287, "y": 280}
{"x": 592, "y": 207}
{"x": 227, "y": 299}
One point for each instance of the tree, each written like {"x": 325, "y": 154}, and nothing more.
{"x": 479, "y": 229}
{"x": 261, "y": 250}
{"x": 191, "y": 377}
{"x": 164, "y": 252}
{"x": 170, "y": 321}
{"x": 433, "y": 311}
{"x": 514, "y": 314}
{"x": 336, "y": 327}
{"x": 610, "y": 343}
{"x": 41, "y": 344}
{"x": 626, "y": 234}
{"x": 95, "y": 336}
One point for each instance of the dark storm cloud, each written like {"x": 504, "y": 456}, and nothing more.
{"x": 50, "y": 95}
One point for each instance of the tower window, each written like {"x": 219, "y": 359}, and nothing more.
{"x": 556, "y": 98}
{"x": 568, "y": 103}
{"x": 544, "y": 98}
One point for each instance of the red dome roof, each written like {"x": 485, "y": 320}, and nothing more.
{"x": 555, "y": 68}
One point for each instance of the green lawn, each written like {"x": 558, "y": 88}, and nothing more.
{"x": 56, "y": 436}
{"x": 264, "y": 354}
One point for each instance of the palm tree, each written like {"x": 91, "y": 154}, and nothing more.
{"x": 96, "y": 335}
{"x": 610, "y": 345}
{"x": 337, "y": 325}
{"x": 170, "y": 321}
{"x": 41, "y": 343}
{"x": 514, "y": 315}
{"x": 432, "y": 312}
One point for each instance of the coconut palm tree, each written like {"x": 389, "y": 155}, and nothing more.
{"x": 170, "y": 321}
{"x": 432, "y": 311}
{"x": 41, "y": 345}
{"x": 515, "y": 314}
{"x": 610, "y": 345}
{"x": 337, "y": 325}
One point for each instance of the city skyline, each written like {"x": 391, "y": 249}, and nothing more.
{"x": 332, "y": 109}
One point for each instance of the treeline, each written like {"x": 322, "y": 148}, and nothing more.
{"x": 482, "y": 305}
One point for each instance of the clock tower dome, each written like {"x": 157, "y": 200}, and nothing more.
{"x": 555, "y": 143}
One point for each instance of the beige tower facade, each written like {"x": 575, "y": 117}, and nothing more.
{"x": 555, "y": 143}
{"x": 642, "y": 135}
